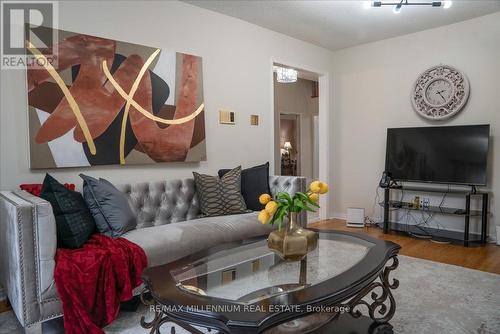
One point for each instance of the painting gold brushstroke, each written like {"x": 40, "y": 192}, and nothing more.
{"x": 143, "y": 111}
{"x": 71, "y": 100}
{"x": 133, "y": 89}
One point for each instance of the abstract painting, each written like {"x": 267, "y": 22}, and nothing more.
{"x": 111, "y": 102}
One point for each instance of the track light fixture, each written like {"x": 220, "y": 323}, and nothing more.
{"x": 398, "y": 5}
{"x": 397, "y": 9}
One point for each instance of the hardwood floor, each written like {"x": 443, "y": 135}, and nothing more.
{"x": 4, "y": 306}
{"x": 484, "y": 258}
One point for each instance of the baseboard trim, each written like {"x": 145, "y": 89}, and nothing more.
{"x": 338, "y": 215}
{"x": 314, "y": 220}
{"x": 330, "y": 216}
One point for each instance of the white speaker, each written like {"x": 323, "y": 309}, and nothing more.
{"x": 355, "y": 217}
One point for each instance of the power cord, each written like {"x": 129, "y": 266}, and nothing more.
{"x": 369, "y": 219}
{"x": 427, "y": 234}
{"x": 444, "y": 197}
{"x": 420, "y": 225}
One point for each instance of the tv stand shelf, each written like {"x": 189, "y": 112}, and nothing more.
{"x": 465, "y": 237}
{"x": 434, "y": 209}
{"x": 438, "y": 234}
{"x": 436, "y": 190}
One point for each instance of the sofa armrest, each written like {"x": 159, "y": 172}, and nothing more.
{"x": 290, "y": 184}
{"x": 28, "y": 245}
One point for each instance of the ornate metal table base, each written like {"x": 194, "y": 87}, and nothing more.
{"x": 381, "y": 309}
{"x": 161, "y": 318}
{"x": 306, "y": 324}
{"x": 377, "y": 308}
{"x": 341, "y": 324}
{"x": 356, "y": 300}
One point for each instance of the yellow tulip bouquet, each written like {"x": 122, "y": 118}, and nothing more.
{"x": 276, "y": 209}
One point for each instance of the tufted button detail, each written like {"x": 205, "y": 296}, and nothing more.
{"x": 159, "y": 203}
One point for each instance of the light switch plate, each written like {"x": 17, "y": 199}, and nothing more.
{"x": 226, "y": 117}
{"x": 254, "y": 119}
{"x": 228, "y": 276}
{"x": 255, "y": 265}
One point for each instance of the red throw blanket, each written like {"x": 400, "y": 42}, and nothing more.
{"x": 93, "y": 280}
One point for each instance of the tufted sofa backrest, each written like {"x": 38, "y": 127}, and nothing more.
{"x": 162, "y": 202}
{"x": 172, "y": 201}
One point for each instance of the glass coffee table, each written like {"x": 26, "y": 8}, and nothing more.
{"x": 243, "y": 287}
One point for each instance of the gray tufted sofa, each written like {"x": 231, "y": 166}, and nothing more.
{"x": 169, "y": 227}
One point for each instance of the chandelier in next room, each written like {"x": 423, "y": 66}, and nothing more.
{"x": 285, "y": 75}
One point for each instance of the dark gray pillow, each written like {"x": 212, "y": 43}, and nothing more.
{"x": 220, "y": 196}
{"x": 254, "y": 182}
{"x": 109, "y": 207}
{"x": 74, "y": 222}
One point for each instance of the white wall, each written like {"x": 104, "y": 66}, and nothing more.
{"x": 372, "y": 84}
{"x": 237, "y": 65}
{"x": 370, "y": 91}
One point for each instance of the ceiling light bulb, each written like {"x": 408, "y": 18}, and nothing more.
{"x": 397, "y": 9}
{"x": 447, "y": 4}
{"x": 367, "y": 4}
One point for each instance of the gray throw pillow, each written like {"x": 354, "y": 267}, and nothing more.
{"x": 109, "y": 207}
{"x": 220, "y": 196}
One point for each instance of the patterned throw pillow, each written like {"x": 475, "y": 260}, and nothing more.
{"x": 220, "y": 196}
{"x": 74, "y": 223}
{"x": 254, "y": 182}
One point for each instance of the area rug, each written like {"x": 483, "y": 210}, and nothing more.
{"x": 432, "y": 298}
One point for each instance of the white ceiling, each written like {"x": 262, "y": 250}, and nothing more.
{"x": 337, "y": 24}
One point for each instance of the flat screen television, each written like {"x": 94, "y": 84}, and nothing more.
{"x": 441, "y": 154}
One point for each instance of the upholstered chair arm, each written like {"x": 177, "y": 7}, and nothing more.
{"x": 27, "y": 249}
{"x": 290, "y": 184}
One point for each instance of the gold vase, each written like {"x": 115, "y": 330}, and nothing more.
{"x": 292, "y": 242}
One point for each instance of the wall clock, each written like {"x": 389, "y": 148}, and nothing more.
{"x": 440, "y": 92}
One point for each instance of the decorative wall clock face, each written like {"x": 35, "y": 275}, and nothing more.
{"x": 440, "y": 92}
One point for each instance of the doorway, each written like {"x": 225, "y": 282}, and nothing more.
{"x": 289, "y": 144}
{"x": 296, "y": 128}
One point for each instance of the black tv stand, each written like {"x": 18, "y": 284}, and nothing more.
{"x": 473, "y": 190}
{"x": 464, "y": 237}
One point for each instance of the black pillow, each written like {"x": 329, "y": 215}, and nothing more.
{"x": 254, "y": 182}
{"x": 109, "y": 206}
{"x": 74, "y": 223}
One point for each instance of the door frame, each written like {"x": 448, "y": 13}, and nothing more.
{"x": 323, "y": 127}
